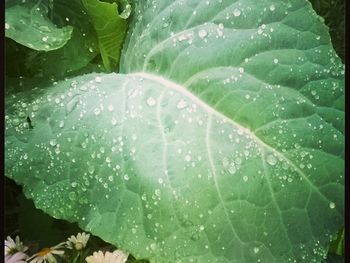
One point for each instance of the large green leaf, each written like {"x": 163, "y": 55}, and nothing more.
{"x": 223, "y": 141}
{"x": 110, "y": 29}
{"x": 28, "y": 24}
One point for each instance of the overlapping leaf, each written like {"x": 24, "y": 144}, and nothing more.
{"x": 29, "y": 25}
{"x": 110, "y": 29}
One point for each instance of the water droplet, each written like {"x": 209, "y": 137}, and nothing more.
{"x": 331, "y": 205}
{"x": 61, "y": 124}
{"x": 53, "y": 142}
{"x": 72, "y": 196}
{"x": 275, "y": 61}
{"x": 114, "y": 121}
{"x": 202, "y": 33}
{"x": 126, "y": 177}
{"x": 110, "y": 178}
{"x": 7, "y": 26}
{"x": 272, "y": 8}
{"x": 151, "y": 101}
{"x": 153, "y": 246}
{"x": 271, "y": 159}
{"x": 74, "y": 184}
{"x": 98, "y": 79}
{"x": 201, "y": 228}
{"x": 97, "y": 111}
{"x": 15, "y": 122}
{"x": 45, "y": 38}
{"x": 110, "y": 108}
{"x": 256, "y": 250}
{"x": 245, "y": 178}
{"x": 236, "y": 12}
{"x": 181, "y": 104}
{"x": 232, "y": 169}
{"x": 91, "y": 169}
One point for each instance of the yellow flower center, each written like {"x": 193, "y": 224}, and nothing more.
{"x": 79, "y": 246}
{"x": 44, "y": 251}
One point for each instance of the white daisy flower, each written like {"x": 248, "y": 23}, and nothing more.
{"x": 18, "y": 257}
{"x": 116, "y": 256}
{"x": 78, "y": 242}
{"x": 13, "y": 246}
{"x": 46, "y": 255}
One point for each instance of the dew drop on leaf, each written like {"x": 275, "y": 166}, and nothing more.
{"x": 151, "y": 101}
{"x": 110, "y": 108}
{"x": 202, "y": 33}
{"x": 15, "y": 122}
{"x": 153, "y": 246}
{"x": 72, "y": 196}
{"x": 114, "y": 121}
{"x": 97, "y": 111}
{"x": 271, "y": 160}
{"x": 91, "y": 169}
{"x": 53, "y": 142}
{"x": 232, "y": 169}
{"x": 181, "y": 104}
{"x": 236, "y": 12}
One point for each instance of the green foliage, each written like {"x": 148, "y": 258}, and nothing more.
{"x": 337, "y": 245}
{"x": 333, "y": 11}
{"x": 79, "y": 51}
{"x": 63, "y": 30}
{"x": 110, "y": 29}
{"x": 29, "y": 25}
{"x": 221, "y": 141}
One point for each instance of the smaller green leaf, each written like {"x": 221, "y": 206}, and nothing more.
{"x": 337, "y": 245}
{"x": 75, "y": 55}
{"x": 110, "y": 28}
{"x": 29, "y": 26}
